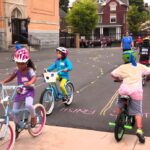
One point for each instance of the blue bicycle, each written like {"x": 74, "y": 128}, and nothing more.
{"x": 52, "y": 93}
{"x": 21, "y": 117}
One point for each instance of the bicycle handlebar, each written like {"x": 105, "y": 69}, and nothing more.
{"x": 45, "y": 70}
{"x": 4, "y": 88}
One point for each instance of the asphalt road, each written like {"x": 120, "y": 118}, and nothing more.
{"x": 95, "y": 91}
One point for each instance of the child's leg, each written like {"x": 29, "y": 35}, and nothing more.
{"x": 62, "y": 86}
{"x": 16, "y": 106}
{"x": 135, "y": 109}
{"x": 29, "y": 105}
{"x": 119, "y": 106}
{"x": 138, "y": 119}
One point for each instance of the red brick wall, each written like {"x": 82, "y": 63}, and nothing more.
{"x": 120, "y": 12}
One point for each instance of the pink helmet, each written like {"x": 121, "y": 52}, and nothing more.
{"x": 63, "y": 50}
{"x": 22, "y": 56}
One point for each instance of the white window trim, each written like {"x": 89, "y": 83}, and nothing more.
{"x": 113, "y": 17}
{"x": 113, "y": 6}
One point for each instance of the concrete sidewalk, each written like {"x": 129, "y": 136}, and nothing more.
{"x": 60, "y": 138}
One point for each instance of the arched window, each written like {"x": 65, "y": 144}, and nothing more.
{"x": 113, "y": 6}
{"x": 16, "y": 13}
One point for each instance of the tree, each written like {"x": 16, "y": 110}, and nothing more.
{"x": 63, "y": 4}
{"x": 83, "y": 17}
{"x": 135, "y": 19}
{"x": 138, "y": 3}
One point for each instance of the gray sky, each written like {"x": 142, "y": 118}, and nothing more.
{"x": 147, "y": 1}
{"x": 71, "y": 2}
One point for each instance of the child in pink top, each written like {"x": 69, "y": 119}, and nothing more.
{"x": 131, "y": 74}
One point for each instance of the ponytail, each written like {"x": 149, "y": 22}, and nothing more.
{"x": 30, "y": 64}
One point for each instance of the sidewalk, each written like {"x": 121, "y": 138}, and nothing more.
{"x": 60, "y": 138}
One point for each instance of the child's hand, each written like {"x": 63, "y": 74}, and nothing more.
{"x": 2, "y": 82}
{"x": 65, "y": 70}
{"x": 27, "y": 84}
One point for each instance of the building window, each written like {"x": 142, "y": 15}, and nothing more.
{"x": 113, "y": 6}
{"x": 16, "y": 13}
{"x": 113, "y": 18}
{"x": 100, "y": 1}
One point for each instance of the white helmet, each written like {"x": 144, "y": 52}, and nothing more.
{"x": 63, "y": 50}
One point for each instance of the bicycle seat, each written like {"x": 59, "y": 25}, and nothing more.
{"x": 125, "y": 97}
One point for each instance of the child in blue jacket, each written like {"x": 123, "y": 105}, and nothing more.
{"x": 63, "y": 66}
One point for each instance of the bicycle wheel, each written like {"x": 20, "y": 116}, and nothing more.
{"x": 132, "y": 120}
{"x": 47, "y": 100}
{"x": 8, "y": 141}
{"x": 41, "y": 119}
{"x": 119, "y": 128}
{"x": 70, "y": 92}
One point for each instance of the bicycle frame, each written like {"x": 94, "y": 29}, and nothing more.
{"x": 55, "y": 91}
{"x": 126, "y": 100}
{"x": 8, "y": 111}
{"x": 58, "y": 95}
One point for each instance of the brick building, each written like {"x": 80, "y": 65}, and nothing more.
{"x": 112, "y": 18}
{"x": 34, "y": 21}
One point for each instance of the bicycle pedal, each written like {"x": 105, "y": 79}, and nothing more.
{"x": 128, "y": 127}
{"x": 112, "y": 124}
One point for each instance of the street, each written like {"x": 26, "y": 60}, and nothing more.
{"x": 95, "y": 91}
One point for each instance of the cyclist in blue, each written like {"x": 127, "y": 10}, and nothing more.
{"x": 127, "y": 42}
{"x": 63, "y": 65}
{"x": 17, "y": 46}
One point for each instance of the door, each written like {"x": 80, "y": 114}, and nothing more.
{"x": 20, "y": 30}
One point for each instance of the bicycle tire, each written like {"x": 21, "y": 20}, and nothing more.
{"x": 119, "y": 128}
{"x": 68, "y": 86}
{"x": 6, "y": 143}
{"x": 41, "y": 120}
{"x": 48, "y": 101}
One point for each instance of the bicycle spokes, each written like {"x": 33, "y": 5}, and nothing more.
{"x": 41, "y": 119}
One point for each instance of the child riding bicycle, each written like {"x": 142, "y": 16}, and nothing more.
{"x": 131, "y": 74}
{"x": 63, "y": 65}
{"x": 26, "y": 76}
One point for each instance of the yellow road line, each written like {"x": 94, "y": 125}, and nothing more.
{"x": 113, "y": 99}
{"x": 109, "y": 102}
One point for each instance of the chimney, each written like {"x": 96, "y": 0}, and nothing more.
{"x": 146, "y": 4}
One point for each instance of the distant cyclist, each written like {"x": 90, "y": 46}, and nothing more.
{"x": 127, "y": 42}
{"x": 17, "y": 45}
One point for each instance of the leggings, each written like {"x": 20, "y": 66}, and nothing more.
{"x": 28, "y": 104}
{"x": 62, "y": 85}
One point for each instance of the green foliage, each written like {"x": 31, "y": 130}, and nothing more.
{"x": 83, "y": 17}
{"x": 136, "y": 18}
{"x": 63, "y": 4}
{"x": 138, "y": 3}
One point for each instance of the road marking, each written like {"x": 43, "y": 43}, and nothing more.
{"x": 109, "y": 104}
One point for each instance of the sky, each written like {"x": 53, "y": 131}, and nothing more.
{"x": 146, "y": 1}
{"x": 71, "y": 1}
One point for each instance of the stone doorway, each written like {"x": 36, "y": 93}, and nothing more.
{"x": 19, "y": 27}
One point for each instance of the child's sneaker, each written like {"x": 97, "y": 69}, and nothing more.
{"x": 65, "y": 99}
{"x": 140, "y": 134}
{"x": 17, "y": 131}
